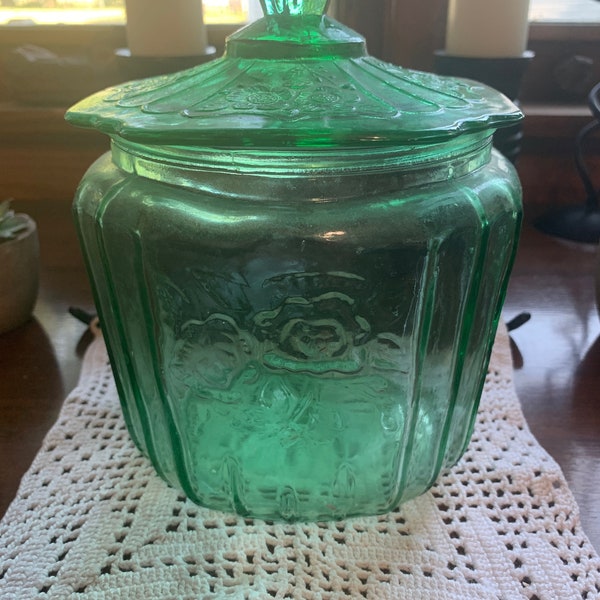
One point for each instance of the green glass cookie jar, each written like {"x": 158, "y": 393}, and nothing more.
{"x": 299, "y": 255}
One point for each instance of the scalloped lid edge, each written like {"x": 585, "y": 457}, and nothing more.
{"x": 295, "y": 81}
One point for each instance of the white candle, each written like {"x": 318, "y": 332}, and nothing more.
{"x": 487, "y": 28}
{"x": 159, "y": 28}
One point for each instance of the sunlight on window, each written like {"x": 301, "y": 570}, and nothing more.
{"x": 51, "y": 12}
{"x": 565, "y": 11}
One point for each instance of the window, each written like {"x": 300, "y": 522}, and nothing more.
{"x": 564, "y": 11}
{"x": 53, "y": 12}
{"x": 564, "y": 35}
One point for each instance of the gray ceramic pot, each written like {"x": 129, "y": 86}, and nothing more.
{"x": 19, "y": 276}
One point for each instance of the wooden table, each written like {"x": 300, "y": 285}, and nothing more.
{"x": 557, "y": 355}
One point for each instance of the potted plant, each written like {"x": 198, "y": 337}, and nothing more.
{"x": 19, "y": 272}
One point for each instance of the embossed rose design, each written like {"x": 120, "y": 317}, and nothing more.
{"x": 260, "y": 97}
{"x": 212, "y": 351}
{"x": 315, "y": 339}
{"x": 319, "y": 333}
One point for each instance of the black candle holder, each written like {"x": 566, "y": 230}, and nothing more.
{"x": 503, "y": 74}
{"x": 140, "y": 67}
{"x": 579, "y": 223}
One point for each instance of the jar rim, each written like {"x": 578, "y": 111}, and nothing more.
{"x": 415, "y": 164}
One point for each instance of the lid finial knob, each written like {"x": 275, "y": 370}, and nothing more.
{"x": 294, "y": 7}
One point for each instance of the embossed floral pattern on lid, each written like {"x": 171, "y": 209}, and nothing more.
{"x": 295, "y": 78}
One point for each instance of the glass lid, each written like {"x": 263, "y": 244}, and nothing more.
{"x": 295, "y": 78}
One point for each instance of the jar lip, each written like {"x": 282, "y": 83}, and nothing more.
{"x": 459, "y": 156}
{"x": 300, "y": 162}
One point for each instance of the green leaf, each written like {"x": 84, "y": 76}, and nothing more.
{"x": 10, "y": 224}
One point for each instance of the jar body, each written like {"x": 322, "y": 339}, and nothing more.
{"x": 299, "y": 347}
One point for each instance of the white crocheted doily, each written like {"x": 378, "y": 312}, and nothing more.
{"x": 93, "y": 521}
